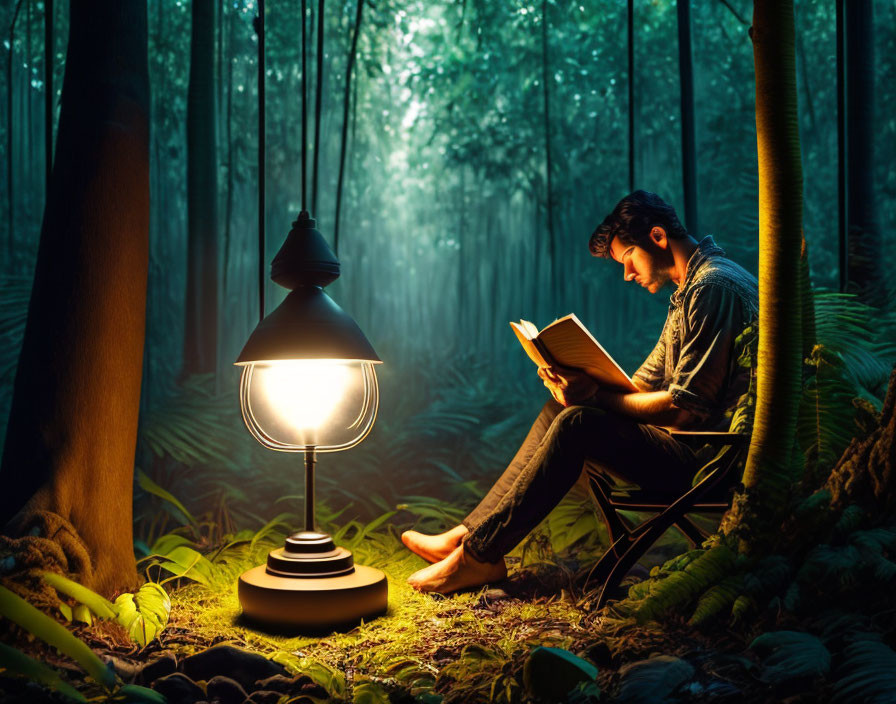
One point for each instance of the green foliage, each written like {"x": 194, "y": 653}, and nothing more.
{"x": 866, "y": 673}
{"x": 150, "y": 487}
{"x": 655, "y": 680}
{"x": 680, "y": 587}
{"x": 716, "y": 599}
{"x": 552, "y": 673}
{"x": 17, "y": 662}
{"x": 20, "y": 612}
{"x": 192, "y": 424}
{"x": 144, "y": 614}
{"x": 791, "y": 655}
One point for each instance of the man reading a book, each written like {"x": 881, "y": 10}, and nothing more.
{"x": 691, "y": 380}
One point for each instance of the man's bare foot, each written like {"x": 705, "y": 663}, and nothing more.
{"x": 457, "y": 571}
{"x": 434, "y": 548}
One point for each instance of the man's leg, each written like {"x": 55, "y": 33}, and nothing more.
{"x": 436, "y": 547}
{"x": 636, "y": 452}
{"x": 639, "y": 453}
{"x": 517, "y": 465}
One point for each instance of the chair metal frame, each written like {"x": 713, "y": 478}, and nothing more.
{"x": 629, "y": 543}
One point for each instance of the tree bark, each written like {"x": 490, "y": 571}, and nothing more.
{"x": 201, "y": 324}
{"x": 69, "y": 455}
{"x": 769, "y": 473}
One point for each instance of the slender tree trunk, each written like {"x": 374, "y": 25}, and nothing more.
{"x": 318, "y": 95}
{"x": 630, "y": 25}
{"x": 549, "y": 195}
{"x": 228, "y": 125}
{"x": 201, "y": 326}
{"x": 688, "y": 138}
{"x": 49, "y": 18}
{"x": 9, "y": 140}
{"x": 349, "y": 68}
{"x": 865, "y": 271}
{"x": 769, "y": 473}
{"x": 68, "y": 461}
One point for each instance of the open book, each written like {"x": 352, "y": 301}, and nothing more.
{"x": 567, "y": 343}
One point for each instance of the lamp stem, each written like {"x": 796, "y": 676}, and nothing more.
{"x": 309, "y": 488}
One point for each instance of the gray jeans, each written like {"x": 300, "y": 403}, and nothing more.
{"x": 551, "y": 460}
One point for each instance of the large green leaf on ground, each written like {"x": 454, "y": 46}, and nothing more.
{"x": 145, "y": 613}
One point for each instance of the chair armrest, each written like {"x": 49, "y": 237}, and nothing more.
{"x": 712, "y": 437}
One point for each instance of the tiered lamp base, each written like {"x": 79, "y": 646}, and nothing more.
{"x": 312, "y": 584}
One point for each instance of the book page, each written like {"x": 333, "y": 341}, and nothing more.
{"x": 528, "y": 345}
{"x": 570, "y": 343}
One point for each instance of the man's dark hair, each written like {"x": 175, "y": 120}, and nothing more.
{"x": 631, "y": 221}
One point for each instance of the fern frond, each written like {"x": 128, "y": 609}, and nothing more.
{"x": 791, "y": 655}
{"x": 867, "y": 674}
{"x": 717, "y": 598}
{"x": 680, "y": 588}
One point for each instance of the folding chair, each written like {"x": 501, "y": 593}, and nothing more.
{"x": 710, "y": 493}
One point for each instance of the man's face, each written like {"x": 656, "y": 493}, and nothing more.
{"x": 646, "y": 264}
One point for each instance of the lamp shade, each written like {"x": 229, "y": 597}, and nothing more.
{"x": 307, "y": 325}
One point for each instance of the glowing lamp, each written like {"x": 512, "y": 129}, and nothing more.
{"x": 309, "y": 385}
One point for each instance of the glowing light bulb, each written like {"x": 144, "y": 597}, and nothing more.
{"x": 305, "y": 392}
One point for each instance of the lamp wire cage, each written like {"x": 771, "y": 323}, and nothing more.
{"x": 334, "y": 437}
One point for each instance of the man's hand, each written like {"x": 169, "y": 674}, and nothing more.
{"x": 569, "y": 387}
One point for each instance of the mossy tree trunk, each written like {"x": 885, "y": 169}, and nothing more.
{"x": 68, "y": 460}
{"x": 769, "y": 474}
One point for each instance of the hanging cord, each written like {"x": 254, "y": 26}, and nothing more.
{"x": 304, "y": 111}
{"x": 317, "y": 101}
{"x": 259, "y": 30}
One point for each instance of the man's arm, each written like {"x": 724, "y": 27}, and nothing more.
{"x": 653, "y": 407}
{"x": 569, "y": 387}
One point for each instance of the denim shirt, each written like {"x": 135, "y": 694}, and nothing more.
{"x": 696, "y": 358}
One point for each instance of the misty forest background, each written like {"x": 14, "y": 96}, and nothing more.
{"x": 481, "y": 138}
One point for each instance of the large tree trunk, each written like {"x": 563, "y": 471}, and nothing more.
{"x": 769, "y": 473}
{"x": 201, "y": 324}
{"x": 69, "y": 456}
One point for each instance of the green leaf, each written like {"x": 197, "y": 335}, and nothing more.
{"x": 144, "y": 614}
{"x": 82, "y": 614}
{"x": 141, "y": 695}
{"x": 19, "y": 611}
{"x": 186, "y": 562}
{"x": 551, "y": 673}
{"x": 867, "y": 673}
{"x": 99, "y": 605}
{"x": 791, "y": 655}
{"x": 328, "y": 678}
{"x": 369, "y": 693}
{"x": 15, "y": 661}
{"x": 654, "y": 680}
{"x": 149, "y": 486}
